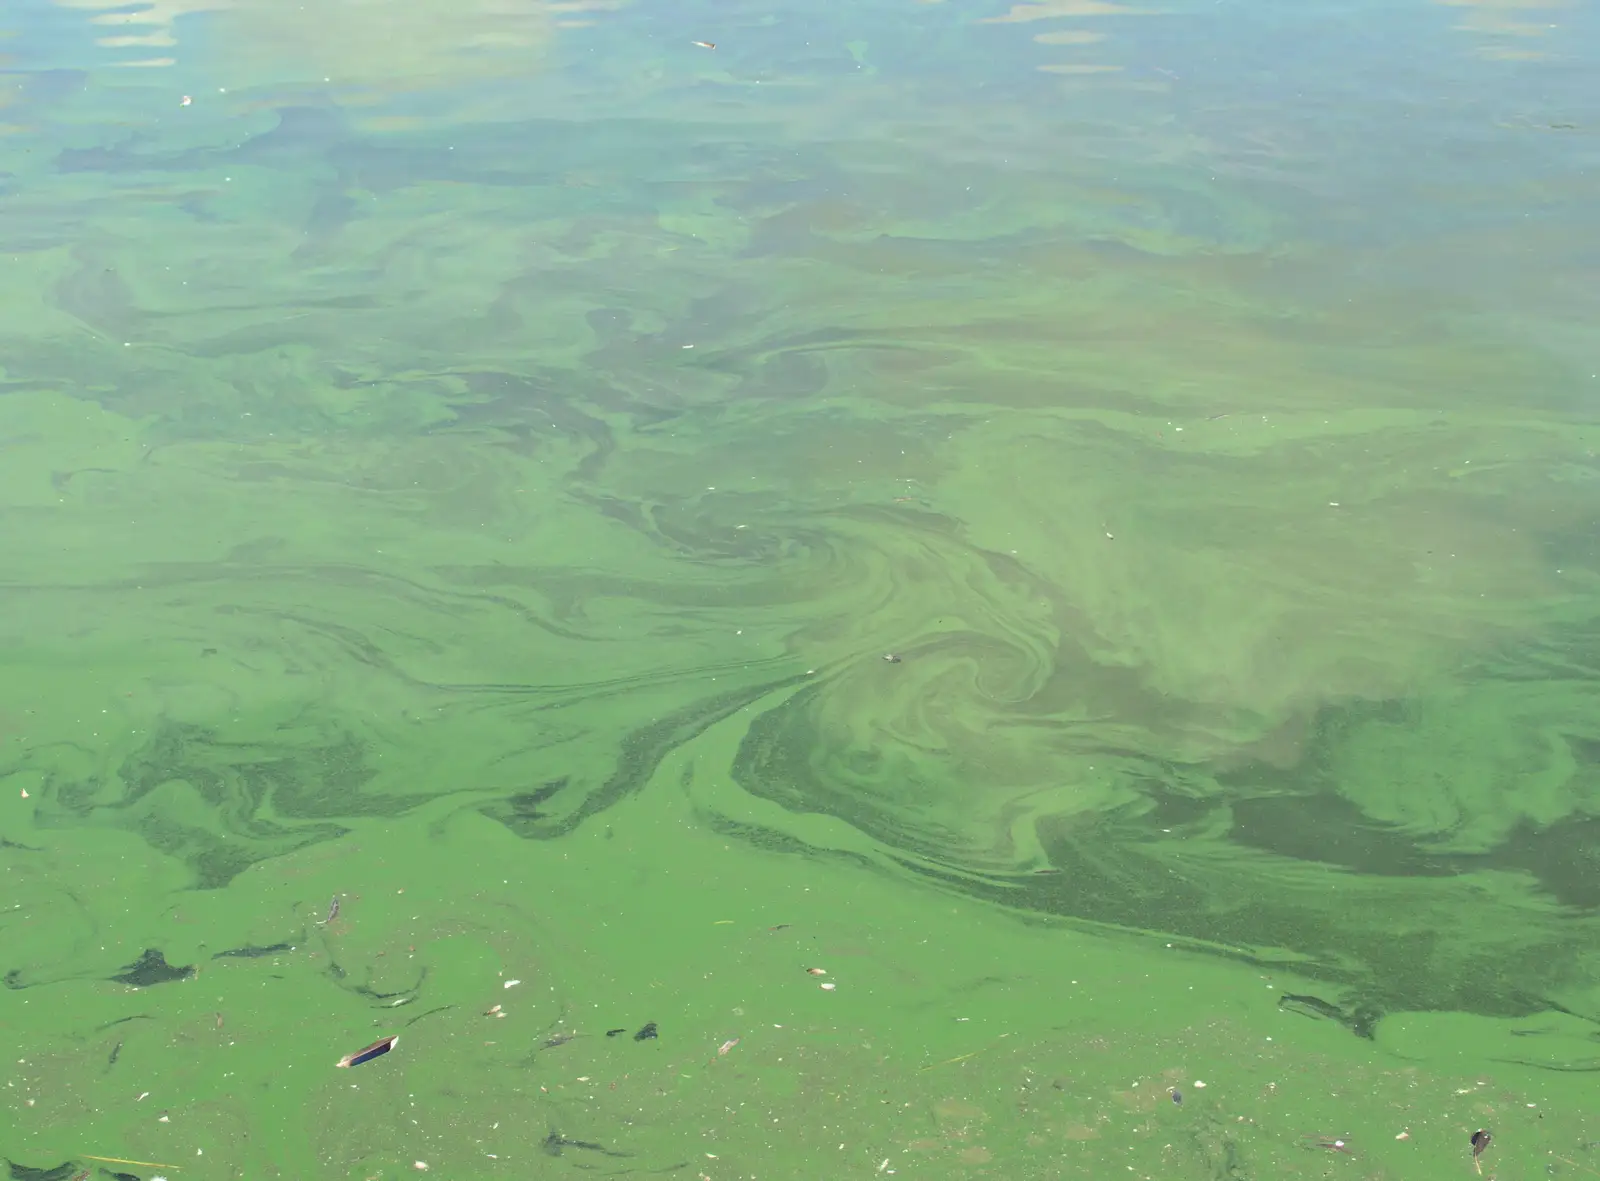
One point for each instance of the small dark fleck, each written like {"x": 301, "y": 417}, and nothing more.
{"x": 1177, "y": 1097}
{"x": 645, "y": 1034}
{"x": 614, "y": 1032}
{"x": 116, "y": 1052}
{"x": 559, "y": 1039}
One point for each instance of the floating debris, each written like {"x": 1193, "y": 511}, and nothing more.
{"x": 609, "y": 1032}
{"x": 333, "y": 912}
{"x": 253, "y": 953}
{"x": 645, "y": 1034}
{"x": 376, "y": 1050}
{"x": 702, "y": 45}
{"x": 816, "y": 971}
{"x": 555, "y": 1142}
{"x": 726, "y": 1046}
{"x": 1177, "y": 1096}
{"x": 494, "y": 1011}
{"x": 122, "y": 1160}
{"x": 1328, "y": 1144}
{"x": 1480, "y": 1143}
{"x": 890, "y": 658}
{"x": 827, "y": 986}
{"x": 512, "y": 983}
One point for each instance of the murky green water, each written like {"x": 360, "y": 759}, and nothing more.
{"x": 1077, "y": 520}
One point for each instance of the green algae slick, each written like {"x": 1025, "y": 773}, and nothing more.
{"x": 1077, "y": 518}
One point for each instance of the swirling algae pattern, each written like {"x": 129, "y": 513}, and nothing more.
{"x": 1208, "y": 621}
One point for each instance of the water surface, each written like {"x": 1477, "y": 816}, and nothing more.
{"x": 1077, "y": 519}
